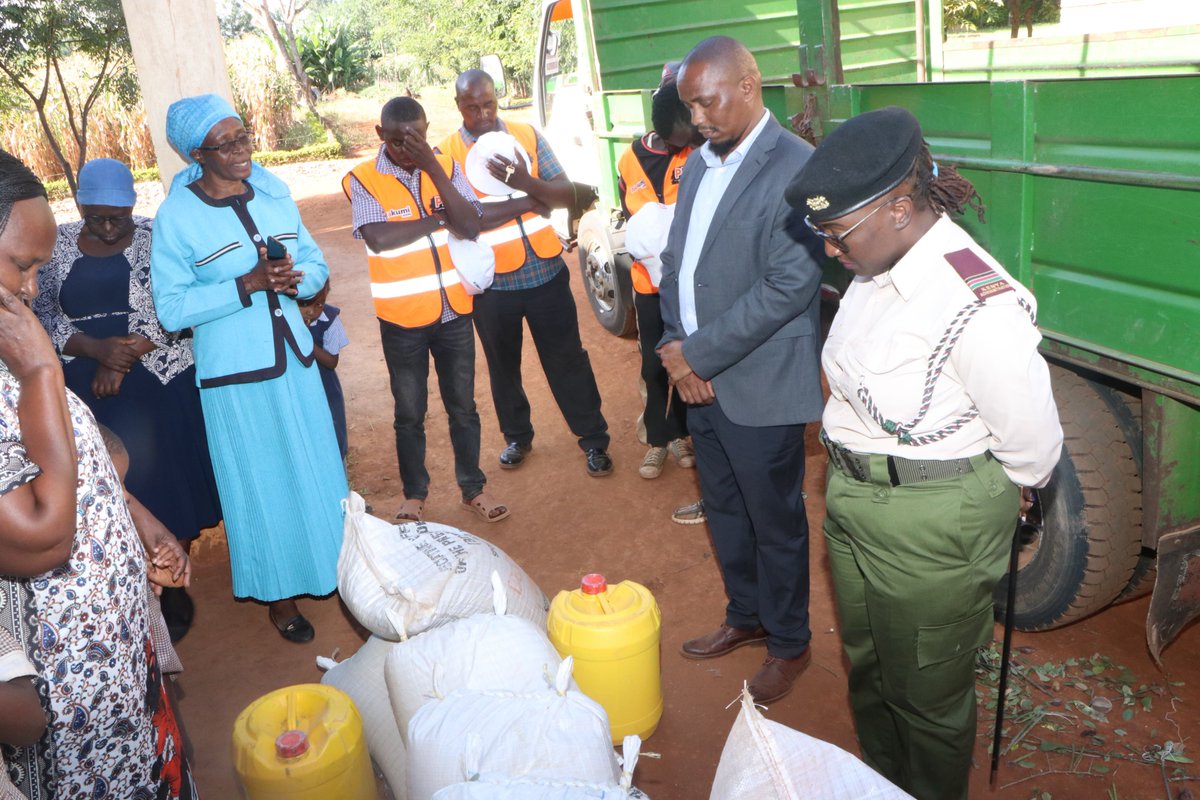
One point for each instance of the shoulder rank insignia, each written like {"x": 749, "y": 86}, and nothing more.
{"x": 981, "y": 279}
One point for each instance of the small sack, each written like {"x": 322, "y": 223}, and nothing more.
{"x": 399, "y": 580}
{"x": 361, "y": 677}
{"x": 501, "y": 787}
{"x": 475, "y": 263}
{"x": 486, "y": 652}
{"x": 555, "y": 735}
{"x": 764, "y": 760}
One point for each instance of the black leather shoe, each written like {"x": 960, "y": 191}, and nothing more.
{"x": 297, "y": 629}
{"x": 513, "y": 456}
{"x": 598, "y": 462}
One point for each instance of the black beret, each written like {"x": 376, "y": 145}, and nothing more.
{"x": 864, "y": 158}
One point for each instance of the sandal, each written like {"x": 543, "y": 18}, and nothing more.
{"x": 411, "y": 510}
{"x": 487, "y": 508}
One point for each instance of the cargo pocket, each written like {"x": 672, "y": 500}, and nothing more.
{"x": 940, "y": 643}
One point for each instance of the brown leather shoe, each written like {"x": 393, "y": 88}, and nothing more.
{"x": 721, "y": 641}
{"x": 775, "y": 677}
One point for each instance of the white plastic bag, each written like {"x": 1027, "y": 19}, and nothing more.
{"x": 361, "y": 677}
{"x": 646, "y": 236}
{"x": 399, "y": 580}
{"x": 501, "y": 787}
{"x": 555, "y": 735}
{"x": 486, "y": 652}
{"x": 764, "y": 760}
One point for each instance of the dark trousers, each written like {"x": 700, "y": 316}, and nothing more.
{"x": 751, "y": 481}
{"x": 549, "y": 310}
{"x": 663, "y": 425}
{"x": 407, "y": 352}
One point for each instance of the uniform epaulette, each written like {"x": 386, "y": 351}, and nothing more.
{"x": 980, "y": 278}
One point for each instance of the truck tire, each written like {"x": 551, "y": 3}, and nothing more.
{"x": 605, "y": 280}
{"x": 1084, "y": 551}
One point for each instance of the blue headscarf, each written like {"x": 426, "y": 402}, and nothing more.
{"x": 188, "y": 124}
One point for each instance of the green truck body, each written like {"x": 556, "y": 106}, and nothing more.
{"x": 1086, "y": 151}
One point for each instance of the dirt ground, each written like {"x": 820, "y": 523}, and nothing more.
{"x": 565, "y": 524}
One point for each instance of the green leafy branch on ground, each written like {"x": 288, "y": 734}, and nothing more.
{"x": 1083, "y": 716}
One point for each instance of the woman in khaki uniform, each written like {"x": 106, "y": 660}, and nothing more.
{"x": 940, "y": 409}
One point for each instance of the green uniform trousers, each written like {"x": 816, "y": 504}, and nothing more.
{"x": 914, "y": 567}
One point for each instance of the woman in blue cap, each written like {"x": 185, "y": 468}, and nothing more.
{"x": 139, "y": 380}
{"x": 270, "y": 433}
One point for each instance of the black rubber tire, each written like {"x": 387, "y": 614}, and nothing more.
{"x": 605, "y": 274}
{"x": 1091, "y": 516}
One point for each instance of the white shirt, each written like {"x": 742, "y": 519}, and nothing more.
{"x": 994, "y": 384}
{"x": 712, "y": 188}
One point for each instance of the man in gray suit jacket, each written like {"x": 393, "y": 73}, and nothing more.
{"x": 739, "y": 297}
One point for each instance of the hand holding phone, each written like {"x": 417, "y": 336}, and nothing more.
{"x": 275, "y": 249}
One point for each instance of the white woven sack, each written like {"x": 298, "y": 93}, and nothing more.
{"x": 553, "y": 734}
{"x": 486, "y": 652}
{"x": 399, "y": 580}
{"x": 764, "y": 760}
{"x": 501, "y": 787}
{"x": 361, "y": 677}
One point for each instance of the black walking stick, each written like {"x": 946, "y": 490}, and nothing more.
{"x": 1007, "y": 648}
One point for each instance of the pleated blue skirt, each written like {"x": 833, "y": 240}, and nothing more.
{"x": 281, "y": 482}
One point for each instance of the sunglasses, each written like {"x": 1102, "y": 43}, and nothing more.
{"x": 242, "y": 141}
{"x": 104, "y": 219}
{"x": 839, "y": 241}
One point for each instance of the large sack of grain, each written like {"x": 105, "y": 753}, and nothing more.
{"x": 361, "y": 677}
{"x": 483, "y": 786}
{"x": 399, "y": 580}
{"x": 554, "y": 734}
{"x": 486, "y": 652}
{"x": 764, "y": 760}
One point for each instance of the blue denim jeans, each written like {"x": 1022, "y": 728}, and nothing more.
{"x": 407, "y": 351}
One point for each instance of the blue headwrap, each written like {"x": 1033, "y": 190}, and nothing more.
{"x": 188, "y": 123}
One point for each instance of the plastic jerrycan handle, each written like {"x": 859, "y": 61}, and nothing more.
{"x": 595, "y": 585}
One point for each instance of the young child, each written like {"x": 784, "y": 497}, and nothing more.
{"x": 22, "y": 719}
{"x": 329, "y": 337}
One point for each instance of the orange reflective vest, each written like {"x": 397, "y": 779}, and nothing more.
{"x": 639, "y": 190}
{"x": 407, "y": 281}
{"x": 506, "y": 240}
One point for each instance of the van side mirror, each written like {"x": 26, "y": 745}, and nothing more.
{"x": 492, "y": 65}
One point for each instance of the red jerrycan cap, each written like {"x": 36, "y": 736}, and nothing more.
{"x": 291, "y": 744}
{"x": 593, "y": 584}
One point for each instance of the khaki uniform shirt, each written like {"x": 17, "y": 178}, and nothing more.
{"x": 952, "y": 375}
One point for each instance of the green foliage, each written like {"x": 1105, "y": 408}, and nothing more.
{"x": 430, "y": 41}
{"x": 333, "y": 57}
{"x": 962, "y": 16}
{"x": 235, "y": 21}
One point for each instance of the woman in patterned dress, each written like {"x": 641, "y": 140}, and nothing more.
{"x": 137, "y": 379}
{"x": 78, "y": 601}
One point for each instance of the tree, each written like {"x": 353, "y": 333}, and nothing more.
{"x": 285, "y": 40}
{"x": 37, "y": 35}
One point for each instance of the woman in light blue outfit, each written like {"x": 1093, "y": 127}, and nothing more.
{"x": 274, "y": 452}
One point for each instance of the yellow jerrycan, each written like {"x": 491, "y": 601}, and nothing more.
{"x": 302, "y": 742}
{"x": 612, "y": 633}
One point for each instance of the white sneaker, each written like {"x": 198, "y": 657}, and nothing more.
{"x": 652, "y": 464}
{"x": 684, "y": 455}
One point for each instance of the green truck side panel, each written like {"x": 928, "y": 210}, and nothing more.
{"x": 1086, "y": 205}
{"x": 1171, "y": 433}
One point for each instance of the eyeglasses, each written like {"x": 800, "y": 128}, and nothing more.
{"x": 839, "y": 241}
{"x": 103, "y": 219}
{"x": 242, "y": 142}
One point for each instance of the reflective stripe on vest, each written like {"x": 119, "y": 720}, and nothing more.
{"x": 506, "y": 240}
{"x": 407, "y": 281}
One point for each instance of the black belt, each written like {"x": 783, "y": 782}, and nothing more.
{"x": 901, "y": 471}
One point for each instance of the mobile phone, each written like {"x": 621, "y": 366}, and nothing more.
{"x": 275, "y": 248}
